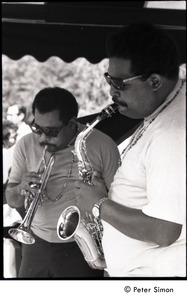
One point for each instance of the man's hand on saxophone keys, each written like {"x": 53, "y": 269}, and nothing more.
{"x": 88, "y": 195}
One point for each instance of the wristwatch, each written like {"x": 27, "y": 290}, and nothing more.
{"x": 96, "y": 208}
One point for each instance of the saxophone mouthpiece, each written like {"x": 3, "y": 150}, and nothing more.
{"x": 108, "y": 111}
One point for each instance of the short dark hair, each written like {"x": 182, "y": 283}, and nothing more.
{"x": 7, "y": 126}
{"x": 22, "y": 110}
{"x": 49, "y": 99}
{"x": 149, "y": 48}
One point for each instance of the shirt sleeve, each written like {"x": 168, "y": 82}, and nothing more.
{"x": 111, "y": 162}
{"x": 18, "y": 163}
{"x": 104, "y": 155}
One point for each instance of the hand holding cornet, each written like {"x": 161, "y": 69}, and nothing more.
{"x": 30, "y": 184}
{"x": 31, "y": 181}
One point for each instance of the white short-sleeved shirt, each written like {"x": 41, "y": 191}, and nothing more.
{"x": 103, "y": 154}
{"x": 152, "y": 178}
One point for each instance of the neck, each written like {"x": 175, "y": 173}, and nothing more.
{"x": 73, "y": 135}
{"x": 165, "y": 90}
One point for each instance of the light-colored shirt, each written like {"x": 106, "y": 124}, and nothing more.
{"x": 7, "y": 162}
{"x": 8, "y": 153}
{"x": 103, "y": 154}
{"x": 23, "y": 130}
{"x": 152, "y": 178}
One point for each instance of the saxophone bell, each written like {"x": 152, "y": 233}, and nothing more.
{"x": 72, "y": 225}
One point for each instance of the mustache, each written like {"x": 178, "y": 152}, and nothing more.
{"x": 115, "y": 97}
{"x": 46, "y": 144}
{"x": 116, "y": 100}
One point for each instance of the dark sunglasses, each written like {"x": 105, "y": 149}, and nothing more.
{"x": 48, "y": 131}
{"x": 117, "y": 83}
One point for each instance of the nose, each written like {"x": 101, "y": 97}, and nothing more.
{"x": 112, "y": 90}
{"x": 114, "y": 93}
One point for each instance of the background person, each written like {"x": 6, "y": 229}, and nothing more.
{"x": 10, "y": 215}
{"x": 9, "y": 140}
{"x": 144, "y": 212}
{"x": 55, "y": 126}
{"x": 17, "y": 115}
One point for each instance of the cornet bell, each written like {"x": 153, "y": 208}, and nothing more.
{"x": 21, "y": 236}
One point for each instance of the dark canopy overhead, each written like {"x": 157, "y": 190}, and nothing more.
{"x": 77, "y": 29}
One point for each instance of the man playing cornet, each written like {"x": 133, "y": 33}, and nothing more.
{"x": 54, "y": 132}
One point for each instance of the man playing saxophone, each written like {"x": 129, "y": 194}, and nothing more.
{"x": 144, "y": 213}
{"x": 54, "y": 131}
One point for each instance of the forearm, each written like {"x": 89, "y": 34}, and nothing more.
{"x": 134, "y": 224}
{"x": 13, "y": 195}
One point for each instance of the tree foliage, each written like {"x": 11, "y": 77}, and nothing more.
{"x": 22, "y": 80}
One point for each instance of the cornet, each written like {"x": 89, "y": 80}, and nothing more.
{"x": 23, "y": 232}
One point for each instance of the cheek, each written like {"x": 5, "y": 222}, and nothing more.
{"x": 137, "y": 103}
{"x": 55, "y": 141}
{"x": 137, "y": 98}
{"x": 131, "y": 98}
{"x": 59, "y": 140}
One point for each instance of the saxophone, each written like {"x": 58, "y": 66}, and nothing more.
{"x": 86, "y": 232}
{"x": 84, "y": 166}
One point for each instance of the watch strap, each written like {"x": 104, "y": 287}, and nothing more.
{"x": 98, "y": 204}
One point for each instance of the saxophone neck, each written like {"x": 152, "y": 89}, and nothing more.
{"x": 84, "y": 164}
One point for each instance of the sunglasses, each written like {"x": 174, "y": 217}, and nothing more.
{"x": 48, "y": 131}
{"x": 117, "y": 83}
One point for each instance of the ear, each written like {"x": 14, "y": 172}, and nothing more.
{"x": 155, "y": 81}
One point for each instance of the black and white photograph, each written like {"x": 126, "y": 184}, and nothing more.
{"x": 94, "y": 149}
